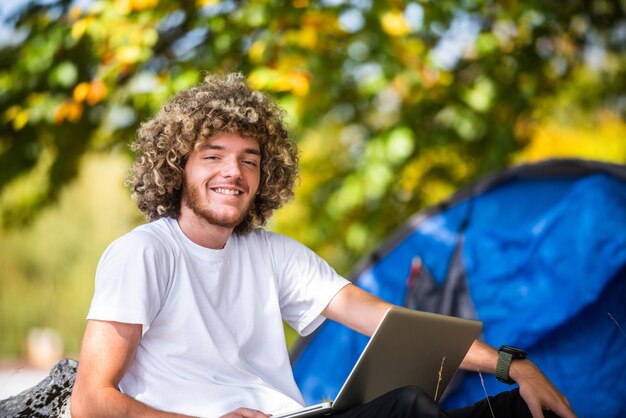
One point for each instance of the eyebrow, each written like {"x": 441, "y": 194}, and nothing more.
{"x": 203, "y": 147}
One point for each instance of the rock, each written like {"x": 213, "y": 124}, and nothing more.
{"x": 50, "y": 398}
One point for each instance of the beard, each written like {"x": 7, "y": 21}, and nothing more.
{"x": 192, "y": 199}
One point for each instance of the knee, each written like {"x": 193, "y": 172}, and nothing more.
{"x": 412, "y": 401}
{"x": 409, "y": 395}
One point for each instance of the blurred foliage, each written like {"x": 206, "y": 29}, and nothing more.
{"x": 598, "y": 136}
{"x": 48, "y": 268}
{"x": 394, "y": 104}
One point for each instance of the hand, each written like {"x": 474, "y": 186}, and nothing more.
{"x": 246, "y": 413}
{"x": 538, "y": 392}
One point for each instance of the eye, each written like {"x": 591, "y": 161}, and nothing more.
{"x": 211, "y": 157}
{"x": 250, "y": 163}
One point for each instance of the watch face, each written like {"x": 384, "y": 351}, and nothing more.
{"x": 514, "y": 351}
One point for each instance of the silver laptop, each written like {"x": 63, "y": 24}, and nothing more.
{"x": 408, "y": 348}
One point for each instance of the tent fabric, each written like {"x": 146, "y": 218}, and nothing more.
{"x": 537, "y": 252}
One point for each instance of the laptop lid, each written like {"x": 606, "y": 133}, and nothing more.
{"x": 409, "y": 347}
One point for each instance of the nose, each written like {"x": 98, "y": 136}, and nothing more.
{"x": 231, "y": 168}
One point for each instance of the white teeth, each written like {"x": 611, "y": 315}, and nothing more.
{"x": 227, "y": 191}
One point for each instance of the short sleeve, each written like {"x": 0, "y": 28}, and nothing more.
{"x": 306, "y": 284}
{"x": 131, "y": 280}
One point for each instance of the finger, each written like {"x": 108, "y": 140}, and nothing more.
{"x": 252, "y": 413}
{"x": 567, "y": 402}
{"x": 565, "y": 411}
{"x": 562, "y": 407}
{"x": 535, "y": 410}
{"x": 248, "y": 413}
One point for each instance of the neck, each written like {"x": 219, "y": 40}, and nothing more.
{"x": 201, "y": 231}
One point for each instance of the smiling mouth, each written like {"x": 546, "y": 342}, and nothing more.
{"x": 228, "y": 192}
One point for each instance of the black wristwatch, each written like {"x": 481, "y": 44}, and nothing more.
{"x": 506, "y": 354}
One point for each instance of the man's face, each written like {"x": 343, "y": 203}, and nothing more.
{"x": 222, "y": 177}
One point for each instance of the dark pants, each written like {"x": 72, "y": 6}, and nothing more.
{"x": 412, "y": 402}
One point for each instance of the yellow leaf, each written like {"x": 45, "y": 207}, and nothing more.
{"x": 81, "y": 91}
{"x": 79, "y": 28}
{"x": 202, "y": 3}
{"x": 139, "y": 5}
{"x": 298, "y": 82}
{"x": 97, "y": 92}
{"x": 129, "y": 54}
{"x": 395, "y": 24}
{"x": 257, "y": 49}
{"x": 306, "y": 38}
{"x": 123, "y": 7}
{"x": 74, "y": 112}
{"x": 261, "y": 78}
{"x": 21, "y": 119}
{"x": 69, "y": 110}
{"x": 601, "y": 139}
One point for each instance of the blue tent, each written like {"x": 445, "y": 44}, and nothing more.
{"x": 537, "y": 252}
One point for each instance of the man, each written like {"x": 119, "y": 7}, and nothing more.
{"x": 187, "y": 313}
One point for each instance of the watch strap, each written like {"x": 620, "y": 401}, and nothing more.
{"x": 503, "y": 366}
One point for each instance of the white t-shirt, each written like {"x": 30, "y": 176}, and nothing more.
{"x": 213, "y": 337}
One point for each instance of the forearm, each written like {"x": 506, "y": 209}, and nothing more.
{"x": 483, "y": 358}
{"x": 357, "y": 309}
{"x": 111, "y": 403}
{"x": 535, "y": 388}
{"x": 480, "y": 357}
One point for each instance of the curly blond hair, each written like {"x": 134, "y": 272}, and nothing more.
{"x": 222, "y": 104}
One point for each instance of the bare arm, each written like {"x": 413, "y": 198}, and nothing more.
{"x": 536, "y": 389}
{"x": 107, "y": 350}
{"x": 357, "y": 309}
{"x": 363, "y": 312}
